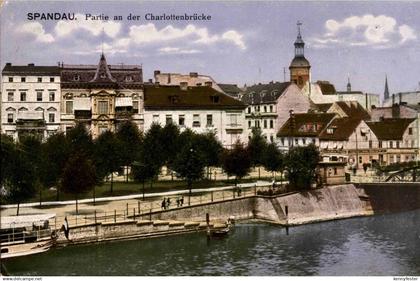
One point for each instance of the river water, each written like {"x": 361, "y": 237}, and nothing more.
{"x": 379, "y": 245}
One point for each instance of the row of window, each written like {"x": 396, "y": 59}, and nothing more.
{"x": 102, "y": 107}
{"x": 266, "y": 124}
{"x": 257, "y": 108}
{"x": 23, "y": 96}
{"x": 196, "y": 122}
{"x": 11, "y": 117}
{"x": 39, "y": 79}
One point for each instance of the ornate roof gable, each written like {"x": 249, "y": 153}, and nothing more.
{"x": 102, "y": 72}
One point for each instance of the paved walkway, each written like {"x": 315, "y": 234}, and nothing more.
{"x": 131, "y": 203}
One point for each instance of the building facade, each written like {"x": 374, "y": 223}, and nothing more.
{"x": 268, "y": 106}
{"x": 101, "y": 96}
{"x": 201, "y": 109}
{"x": 30, "y": 100}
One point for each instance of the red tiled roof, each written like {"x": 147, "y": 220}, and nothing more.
{"x": 306, "y": 124}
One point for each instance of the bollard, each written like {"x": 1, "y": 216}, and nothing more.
{"x": 150, "y": 215}
{"x": 115, "y": 216}
{"x": 223, "y": 195}
{"x": 95, "y": 216}
{"x": 138, "y": 206}
{"x": 127, "y": 209}
{"x": 134, "y": 213}
{"x": 212, "y": 196}
{"x": 233, "y": 190}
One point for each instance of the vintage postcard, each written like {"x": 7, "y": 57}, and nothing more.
{"x": 210, "y": 138}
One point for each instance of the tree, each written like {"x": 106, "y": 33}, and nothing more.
{"x": 79, "y": 175}
{"x": 189, "y": 165}
{"x": 301, "y": 163}
{"x": 8, "y": 150}
{"x": 210, "y": 149}
{"x": 107, "y": 148}
{"x": 79, "y": 139}
{"x": 236, "y": 161}
{"x": 131, "y": 140}
{"x": 272, "y": 159}
{"x": 19, "y": 177}
{"x": 31, "y": 146}
{"x": 256, "y": 147}
{"x": 55, "y": 153}
{"x": 152, "y": 154}
{"x": 142, "y": 172}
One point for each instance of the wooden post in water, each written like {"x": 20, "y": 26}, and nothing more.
{"x": 208, "y": 225}
{"x": 287, "y": 219}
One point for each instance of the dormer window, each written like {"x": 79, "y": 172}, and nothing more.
{"x": 76, "y": 77}
{"x": 128, "y": 78}
{"x": 215, "y": 99}
{"x": 330, "y": 131}
{"x": 174, "y": 99}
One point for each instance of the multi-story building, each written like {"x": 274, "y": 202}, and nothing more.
{"x": 102, "y": 96}
{"x": 30, "y": 100}
{"x": 201, "y": 109}
{"x": 269, "y": 106}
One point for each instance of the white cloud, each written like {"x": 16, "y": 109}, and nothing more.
{"x": 176, "y": 50}
{"x": 148, "y": 33}
{"x": 37, "y": 29}
{"x": 234, "y": 37}
{"x": 368, "y": 30}
{"x": 95, "y": 27}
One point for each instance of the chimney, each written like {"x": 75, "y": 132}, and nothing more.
{"x": 193, "y": 74}
{"x": 395, "y": 111}
{"x": 366, "y": 100}
{"x": 400, "y": 97}
{"x": 183, "y": 86}
{"x": 393, "y": 99}
{"x": 31, "y": 64}
{"x": 169, "y": 78}
{"x": 150, "y": 80}
{"x": 156, "y": 72}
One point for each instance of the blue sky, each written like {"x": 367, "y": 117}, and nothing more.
{"x": 245, "y": 42}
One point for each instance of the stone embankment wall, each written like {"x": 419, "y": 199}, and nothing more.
{"x": 332, "y": 202}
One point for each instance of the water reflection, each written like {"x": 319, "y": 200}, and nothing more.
{"x": 381, "y": 245}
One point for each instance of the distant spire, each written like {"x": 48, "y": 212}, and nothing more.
{"x": 386, "y": 92}
{"x": 298, "y": 27}
{"x": 102, "y": 44}
{"x": 348, "y": 84}
{"x": 299, "y": 44}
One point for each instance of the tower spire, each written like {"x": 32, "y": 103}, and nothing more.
{"x": 348, "y": 84}
{"x": 386, "y": 91}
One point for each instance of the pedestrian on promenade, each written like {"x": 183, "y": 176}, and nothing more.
{"x": 163, "y": 205}
{"x": 168, "y": 202}
{"x": 177, "y": 202}
{"x": 181, "y": 201}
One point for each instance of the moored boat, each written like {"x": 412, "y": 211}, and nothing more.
{"x": 25, "y": 235}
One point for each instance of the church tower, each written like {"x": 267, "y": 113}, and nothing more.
{"x": 348, "y": 84}
{"x": 299, "y": 67}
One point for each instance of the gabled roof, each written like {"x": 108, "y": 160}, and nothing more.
{"x": 390, "y": 129}
{"x": 230, "y": 89}
{"x": 29, "y": 69}
{"x": 326, "y": 88}
{"x": 306, "y": 124}
{"x": 323, "y": 107}
{"x": 342, "y": 128}
{"x": 173, "y": 97}
{"x": 264, "y": 93}
{"x": 353, "y": 109}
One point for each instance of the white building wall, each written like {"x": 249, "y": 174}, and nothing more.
{"x": 226, "y": 129}
{"x": 31, "y": 87}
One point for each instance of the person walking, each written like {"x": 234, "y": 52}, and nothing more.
{"x": 163, "y": 205}
{"x": 66, "y": 228}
